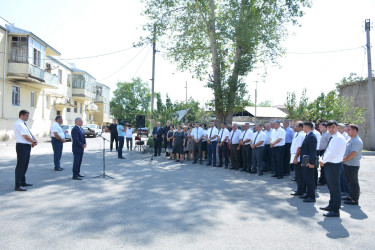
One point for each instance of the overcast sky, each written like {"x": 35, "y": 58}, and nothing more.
{"x": 86, "y": 28}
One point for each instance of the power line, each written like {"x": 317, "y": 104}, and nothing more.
{"x": 148, "y": 51}
{"x": 323, "y": 52}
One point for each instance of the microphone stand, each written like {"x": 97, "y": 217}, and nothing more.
{"x": 104, "y": 175}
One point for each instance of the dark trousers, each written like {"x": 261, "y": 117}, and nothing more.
{"x": 257, "y": 159}
{"x": 57, "y": 147}
{"x": 223, "y": 152}
{"x": 351, "y": 174}
{"x": 332, "y": 174}
{"x": 267, "y": 157}
{"x": 77, "y": 161}
{"x": 211, "y": 151}
{"x": 120, "y": 146}
{"x": 235, "y": 156}
{"x": 300, "y": 179}
{"x": 114, "y": 137}
{"x": 322, "y": 179}
{"x": 23, "y": 158}
{"x": 197, "y": 151}
{"x": 344, "y": 182}
{"x": 165, "y": 144}
{"x": 309, "y": 178}
{"x": 287, "y": 158}
{"x": 246, "y": 157}
{"x": 157, "y": 145}
{"x": 278, "y": 160}
{"x": 129, "y": 141}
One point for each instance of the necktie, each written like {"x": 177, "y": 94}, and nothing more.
{"x": 211, "y": 132}
{"x": 256, "y": 138}
{"x": 231, "y": 139}
{"x": 197, "y": 133}
{"x": 29, "y": 131}
{"x": 296, "y": 135}
{"x": 244, "y": 134}
{"x": 222, "y": 131}
{"x": 330, "y": 138}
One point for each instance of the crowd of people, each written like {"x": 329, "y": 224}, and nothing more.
{"x": 333, "y": 147}
{"x": 278, "y": 148}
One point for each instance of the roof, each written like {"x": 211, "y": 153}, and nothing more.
{"x": 181, "y": 114}
{"x": 81, "y": 71}
{"x": 61, "y": 62}
{"x": 101, "y": 84}
{"x": 266, "y": 112}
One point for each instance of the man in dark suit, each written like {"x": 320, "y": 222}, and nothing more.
{"x": 308, "y": 150}
{"x": 78, "y": 147}
{"x": 158, "y": 138}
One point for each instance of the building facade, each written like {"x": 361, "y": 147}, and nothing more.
{"x": 34, "y": 78}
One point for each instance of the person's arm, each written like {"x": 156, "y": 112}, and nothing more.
{"x": 350, "y": 156}
{"x": 75, "y": 138}
{"x": 275, "y": 143}
{"x": 312, "y": 153}
{"x": 58, "y": 137}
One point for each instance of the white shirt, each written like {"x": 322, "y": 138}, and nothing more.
{"x": 268, "y": 136}
{"x": 214, "y": 132}
{"x": 57, "y": 128}
{"x": 197, "y": 133}
{"x": 204, "y": 135}
{"x": 296, "y": 143}
{"x": 223, "y": 133}
{"x": 346, "y": 136}
{"x": 259, "y": 136}
{"x": 336, "y": 149}
{"x": 247, "y": 134}
{"x": 318, "y": 138}
{"x": 129, "y": 132}
{"x": 235, "y": 136}
{"x": 20, "y": 129}
{"x": 276, "y": 134}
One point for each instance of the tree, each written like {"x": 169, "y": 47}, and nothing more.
{"x": 266, "y": 103}
{"x": 222, "y": 40}
{"x": 130, "y": 99}
{"x": 297, "y": 111}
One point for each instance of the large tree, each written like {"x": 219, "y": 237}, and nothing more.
{"x": 222, "y": 40}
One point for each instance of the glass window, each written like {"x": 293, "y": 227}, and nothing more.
{"x": 32, "y": 99}
{"x": 60, "y": 75}
{"x": 67, "y": 109}
{"x": 47, "y": 102}
{"x": 75, "y": 108}
{"x": 16, "y": 94}
{"x": 80, "y": 108}
{"x": 18, "y": 50}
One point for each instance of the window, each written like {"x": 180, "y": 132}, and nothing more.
{"x": 19, "y": 49}
{"x": 69, "y": 79}
{"x": 80, "y": 108}
{"x": 68, "y": 110}
{"x": 60, "y": 76}
{"x": 16, "y": 93}
{"x": 37, "y": 58}
{"x": 32, "y": 99}
{"x": 75, "y": 108}
{"x": 58, "y": 112}
{"x": 47, "y": 102}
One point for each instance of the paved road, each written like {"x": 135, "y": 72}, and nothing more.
{"x": 161, "y": 204}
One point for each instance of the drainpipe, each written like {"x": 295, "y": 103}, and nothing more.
{"x": 4, "y": 72}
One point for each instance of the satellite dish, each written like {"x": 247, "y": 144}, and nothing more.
{"x": 92, "y": 107}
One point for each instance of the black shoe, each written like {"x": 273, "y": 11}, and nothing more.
{"x": 346, "y": 199}
{"x": 155, "y": 155}
{"x": 26, "y": 185}
{"x": 280, "y": 177}
{"x": 58, "y": 169}
{"x": 296, "y": 194}
{"x": 327, "y": 208}
{"x": 260, "y": 173}
{"x": 232, "y": 168}
{"x": 194, "y": 162}
{"x": 177, "y": 160}
{"x": 309, "y": 200}
{"x": 220, "y": 166}
{"x": 321, "y": 184}
{"x": 226, "y": 167}
{"x": 76, "y": 178}
{"x": 253, "y": 171}
{"x": 351, "y": 202}
{"x": 208, "y": 164}
{"x": 273, "y": 175}
{"x": 80, "y": 175}
{"x": 303, "y": 197}
{"x": 20, "y": 189}
{"x": 293, "y": 179}
{"x": 201, "y": 162}
{"x": 122, "y": 158}
{"x": 332, "y": 214}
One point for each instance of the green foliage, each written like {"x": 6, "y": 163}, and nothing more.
{"x": 324, "y": 108}
{"x": 266, "y": 103}
{"x": 131, "y": 99}
{"x": 353, "y": 77}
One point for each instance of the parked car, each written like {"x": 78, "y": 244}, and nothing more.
{"x": 142, "y": 131}
{"x": 96, "y": 128}
{"x": 68, "y": 132}
{"x": 88, "y": 131}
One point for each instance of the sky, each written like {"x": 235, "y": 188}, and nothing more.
{"x": 86, "y": 28}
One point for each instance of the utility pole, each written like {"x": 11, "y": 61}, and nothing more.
{"x": 370, "y": 87}
{"x": 256, "y": 97}
{"x": 153, "y": 76}
{"x": 186, "y": 95}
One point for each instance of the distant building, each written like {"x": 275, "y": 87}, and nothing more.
{"x": 263, "y": 114}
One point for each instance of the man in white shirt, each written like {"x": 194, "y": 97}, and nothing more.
{"x": 257, "y": 145}
{"x": 129, "y": 137}
{"x": 197, "y": 136}
{"x": 295, "y": 151}
{"x": 341, "y": 128}
{"x": 24, "y": 142}
{"x": 211, "y": 137}
{"x": 234, "y": 141}
{"x": 267, "y": 150}
{"x": 318, "y": 137}
{"x": 57, "y": 140}
{"x": 277, "y": 142}
{"x": 332, "y": 161}
{"x": 322, "y": 147}
{"x": 245, "y": 141}
{"x": 223, "y": 145}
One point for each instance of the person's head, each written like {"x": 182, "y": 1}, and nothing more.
{"x": 341, "y": 127}
{"x": 114, "y": 121}
{"x": 229, "y": 125}
{"x": 59, "y": 119}
{"x": 24, "y": 115}
{"x": 323, "y": 127}
{"x": 196, "y": 124}
{"x": 129, "y": 125}
{"x": 347, "y": 127}
{"x": 212, "y": 124}
{"x": 179, "y": 127}
{"x": 185, "y": 128}
{"x": 272, "y": 124}
{"x": 286, "y": 123}
{"x": 267, "y": 126}
{"x": 332, "y": 127}
{"x": 191, "y": 126}
{"x": 78, "y": 121}
{"x": 203, "y": 126}
{"x": 168, "y": 123}
{"x": 298, "y": 127}
{"x": 158, "y": 124}
{"x": 308, "y": 127}
{"x": 258, "y": 127}
{"x": 171, "y": 127}
{"x": 276, "y": 124}
{"x": 235, "y": 126}
{"x": 247, "y": 126}
{"x": 352, "y": 130}
{"x": 222, "y": 125}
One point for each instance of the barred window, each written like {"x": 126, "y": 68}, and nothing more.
{"x": 19, "y": 49}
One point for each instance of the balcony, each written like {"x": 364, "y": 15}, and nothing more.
{"x": 62, "y": 103}
{"x": 99, "y": 99}
{"x": 32, "y": 76}
{"x": 82, "y": 94}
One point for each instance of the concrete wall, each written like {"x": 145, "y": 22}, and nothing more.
{"x": 358, "y": 91}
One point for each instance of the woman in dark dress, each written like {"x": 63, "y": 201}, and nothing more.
{"x": 178, "y": 144}
{"x": 170, "y": 141}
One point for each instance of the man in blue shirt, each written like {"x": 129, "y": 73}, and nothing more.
{"x": 289, "y": 134}
{"x": 121, "y": 137}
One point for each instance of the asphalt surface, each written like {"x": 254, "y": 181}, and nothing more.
{"x": 160, "y": 204}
